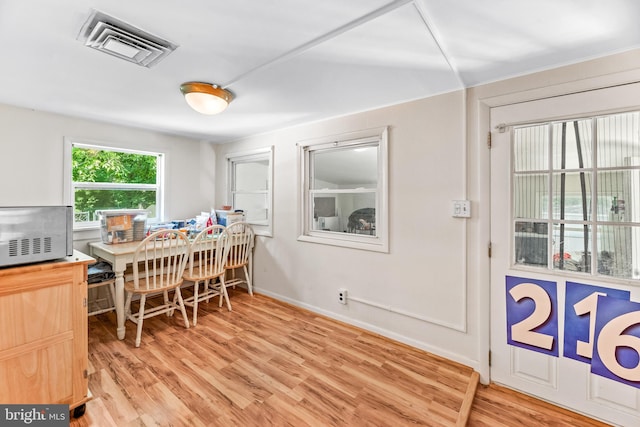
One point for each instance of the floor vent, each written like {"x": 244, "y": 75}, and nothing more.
{"x": 110, "y": 35}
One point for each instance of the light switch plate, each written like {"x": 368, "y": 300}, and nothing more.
{"x": 461, "y": 209}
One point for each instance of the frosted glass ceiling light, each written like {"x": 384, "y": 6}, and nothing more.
{"x": 206, "y": 98}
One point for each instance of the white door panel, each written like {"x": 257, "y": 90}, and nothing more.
{"x": 534, "y": 367}
{"x": 613, "y": 394}
{"x": 535, "y": 362}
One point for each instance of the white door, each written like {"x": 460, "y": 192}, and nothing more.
{"x": 565, "y": 325}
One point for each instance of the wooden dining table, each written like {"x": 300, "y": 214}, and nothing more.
{"x": 120, "y": 256}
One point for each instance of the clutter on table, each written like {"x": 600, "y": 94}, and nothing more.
{"x": 122, "y": 225}
{"x": 130, "y": 225}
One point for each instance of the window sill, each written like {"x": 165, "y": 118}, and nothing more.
{"x": 373, "y": 244}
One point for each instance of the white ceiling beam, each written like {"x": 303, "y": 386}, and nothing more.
{"x": 436, "y": 38}
{"x": 323, "y": 38}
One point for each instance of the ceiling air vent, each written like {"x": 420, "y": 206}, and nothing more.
{"x": 110, "y": 35}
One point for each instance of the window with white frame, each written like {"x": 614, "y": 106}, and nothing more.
{"x": 100, "y": 177}
{"x": 344, "y": 191}
{"x": 249, "y": 185}
{"x": 576, "y": 195}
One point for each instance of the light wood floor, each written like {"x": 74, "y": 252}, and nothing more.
{"x": 267, "y": 363}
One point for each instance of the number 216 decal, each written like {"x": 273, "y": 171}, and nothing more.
{"x": 601, "y": 325}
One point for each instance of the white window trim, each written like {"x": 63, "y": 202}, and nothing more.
{"x": 378, "y": 243}
{"x": 257, "y": 154}
{"x": 68, "y": 192}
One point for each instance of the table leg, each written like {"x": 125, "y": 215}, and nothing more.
{"x": 120, "y": 303}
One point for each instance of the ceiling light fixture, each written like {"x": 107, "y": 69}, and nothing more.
{"x": 206, "y": 98}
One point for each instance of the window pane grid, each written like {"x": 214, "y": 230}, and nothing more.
{"x": 351, "y": 167}
{"x": 345, "y": 190}
{"x": 249, "y": 187}
{"x": 531, "y": 148}
{"x": 254, "y": 205}
{"x": 586, "y": 173}
{"x": 572, "y": 145}
{"x": 108, "y": 178}
{"x": 250, "y": 175}
{"x": 112, "y": 166}
{"x": 345, "y": 212}
{"x": 531, "y": 196}
{"x": 618, "y": 139}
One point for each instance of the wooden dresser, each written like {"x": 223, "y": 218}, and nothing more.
{"x": 43, "y": 335}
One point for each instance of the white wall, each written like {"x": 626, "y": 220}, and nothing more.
{"x": 424, "y": 273}
{"x": 31, "y": 143}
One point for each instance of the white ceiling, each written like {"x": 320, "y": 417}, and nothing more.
{"x": 292, "y": 61}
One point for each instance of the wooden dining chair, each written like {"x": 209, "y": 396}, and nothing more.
{"x": 159, "y": 262}
{"x": 207, "y": 259}
{"x": 241, "y": 239}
